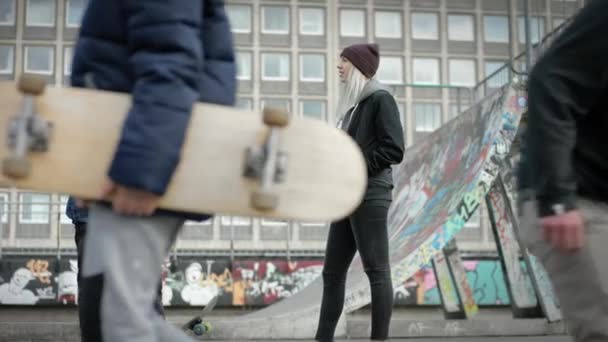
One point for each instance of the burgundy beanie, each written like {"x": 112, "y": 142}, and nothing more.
{"x": 364, "y": 57}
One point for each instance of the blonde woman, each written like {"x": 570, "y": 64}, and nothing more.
{"x": 369, "y": 114}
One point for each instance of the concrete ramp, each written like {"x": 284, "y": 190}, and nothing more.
{"x": 438, "y": 186}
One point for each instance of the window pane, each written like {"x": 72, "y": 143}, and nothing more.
{"x": 39, "y": 59}
{"x": 312, "y": 68}
{"x": 63, "y": 218}
{"x": 352, "y": 23}
{"x": 496, "y": 29}
{"x": 313, "y": 109}
{"x": 460, "y": 28}
{"x": 537, "y": 29}
{"x": 245, "y": 104}
{"x": 428, "y": 116}
{"x": 426, "y": 70}
{"x": 390, "y": 70}
{"x": 7, "y": 53}
{"x": 40, "y": 13}
{"x": 275, "y": 66}
{"x": 462, "y": 72}
{"x": 4, "y": 212}
{"x": 243, "y": 60}
{"x": 75, "y": 9}
{"x": 7, "y": 12}
{"x": 240, "y": 18}
{"x": 312, "y": 21}
{"x": 67, "y": 61}
{"x": 275, "y": 19}
{"x": 35, "y": 208}
{"x": 425, "y": 26}
{"x": 499, "y": 79}
{"x": 388, "y": 24}
{"x": 557, "y": 21}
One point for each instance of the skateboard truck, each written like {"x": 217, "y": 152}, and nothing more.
{"x": 28, "y": 132}
{"x": 266, "y": 162}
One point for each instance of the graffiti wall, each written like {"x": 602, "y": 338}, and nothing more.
{"x": 194, "y": 281}
{"x": 485, "y": 277}
{"x": 38, "y": 281}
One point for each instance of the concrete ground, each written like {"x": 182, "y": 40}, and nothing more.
{"x": 55, "y": 324}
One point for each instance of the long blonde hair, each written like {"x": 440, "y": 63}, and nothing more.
{"x": 350, "y": 91}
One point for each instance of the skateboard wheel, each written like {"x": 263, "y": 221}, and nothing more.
{"x": 16, "y": 167}
{"x": 201, "y": 328}
{"x": 275, "y": 117}
{"x": 263, "y": 200}
{"x": 31, "y": 84}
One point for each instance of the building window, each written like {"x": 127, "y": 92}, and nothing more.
{"x": 312, "y": 21}
{"x": 426, "y": 70}
{"x": 7, "y": 12}
{"x": 40, "y": 13}
{"x": 4, "y": 210}
{"x": 352, "y": 23}
{"x": 499, "y": 79}
{"x": 35, "y": 208}
{"x": 428, "y": 116}
{"x": 461, "y": 28}
{"x": 496, "y": 29}
{"x": 243, "y": 64}
{"x": 74, "y": 10}
{"x": 239, "y": 17}
{"x": 312, "y": 68}
{"x": 67, "y": 60}
{"x": 275, "y": 19}
{"x": 245, "y": 104}
{"x": 425, "y": 26}
{"x": 276, "y": 103}
{"x": 462, "y": 72}
{"x": 7, "y": 55}
{"x": 388, "y": 24}
{"x": 39, "y": 60}
{"x": 556, "y": 22}
{"x": 314, "y": 109}
{"x": 275, "y": 67}
{"x": 537, "y": 29}
{"x": 390, "y": 70}
{"x": 401, "y": 108}
{"x": 63, "y": 218}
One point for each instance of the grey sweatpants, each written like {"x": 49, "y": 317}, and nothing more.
{"x": 580, "y": 279}
{"x": 127, "y": 253}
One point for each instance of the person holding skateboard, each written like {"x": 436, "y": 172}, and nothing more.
{"x": 369, "y": 114}
{"x": 167, "y": 54}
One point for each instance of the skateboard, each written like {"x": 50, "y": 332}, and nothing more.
{"x": 198, "y": 325}
{"x": 233, "y": 162}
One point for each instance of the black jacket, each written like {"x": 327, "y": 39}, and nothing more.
{"x": 376, "y": 128}
{"x": 565, "y": 147}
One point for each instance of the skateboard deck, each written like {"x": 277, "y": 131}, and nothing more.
{"x": 198, "y": 325}
{"x": 234, "y": 162}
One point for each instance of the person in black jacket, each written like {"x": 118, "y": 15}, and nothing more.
{"x": 563, "y": 187}
{"x": 369, "y": 114}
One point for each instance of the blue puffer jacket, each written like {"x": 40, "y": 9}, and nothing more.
{"x": 167, "y": 54}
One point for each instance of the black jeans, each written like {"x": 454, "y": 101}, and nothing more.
{"x": 366, "y": 231}
{"x": 88, "y": 296}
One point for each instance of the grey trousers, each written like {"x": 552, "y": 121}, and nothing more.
{"x": 580, "y": 279}
{"x": 126, "y": 253}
